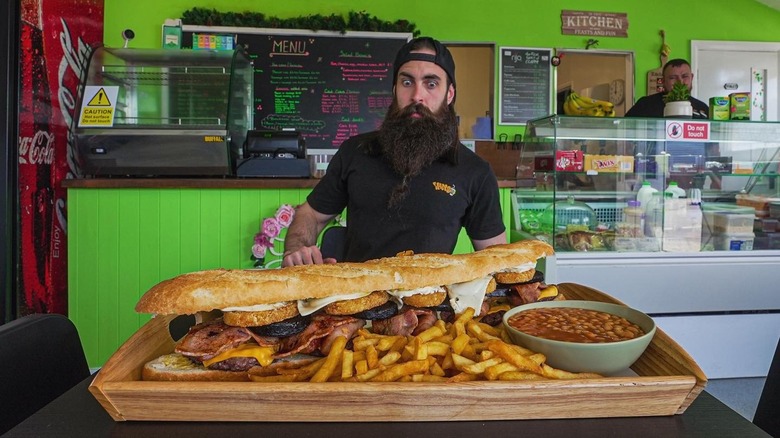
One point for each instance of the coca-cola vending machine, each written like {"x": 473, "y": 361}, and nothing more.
{"x": 9, "y": 76}
{"x": 57, "y": 38}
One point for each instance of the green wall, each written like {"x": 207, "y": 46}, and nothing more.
{"x": 505, "y": 22}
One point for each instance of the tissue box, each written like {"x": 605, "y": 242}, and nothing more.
{"x": 171, "y": 34}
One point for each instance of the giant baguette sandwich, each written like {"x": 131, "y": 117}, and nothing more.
{"x": 267, "y": 316}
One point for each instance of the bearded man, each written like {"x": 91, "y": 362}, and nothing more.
{"x": 411, "y": 185}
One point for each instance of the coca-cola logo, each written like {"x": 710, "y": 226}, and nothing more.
{"x": 38, "y": 149}
{"x": 72, "y": 64}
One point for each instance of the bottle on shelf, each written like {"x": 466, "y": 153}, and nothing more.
{"x": 675, "y": 190}
{"x": 645, "y": 194}
{"x": 633, "y": 220}
{"x": 654, "y": 215}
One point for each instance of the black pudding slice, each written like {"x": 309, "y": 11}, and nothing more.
{"x": 384, "y": 311}
{"x": 281, "y": 329}
{"x": 443, "y": 307}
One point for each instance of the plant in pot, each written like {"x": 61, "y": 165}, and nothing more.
{"x": 677, "y": 101}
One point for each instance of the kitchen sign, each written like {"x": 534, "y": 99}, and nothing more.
{"x": 590, "y": 23}
{"x": 687, "y": 131}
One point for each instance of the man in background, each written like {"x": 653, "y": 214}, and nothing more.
{"x": 691, "y": 153}
{"x": 411, "y": 185}
{"x": 676, "y": 70}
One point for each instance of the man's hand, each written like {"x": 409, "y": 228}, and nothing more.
{"x": 307, "y": 255}
{"x": 300, "y": 243}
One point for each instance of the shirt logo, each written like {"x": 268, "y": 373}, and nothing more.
{"x": 448, "y": 189}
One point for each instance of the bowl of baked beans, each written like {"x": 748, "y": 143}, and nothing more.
{"x": 582, "y": 336}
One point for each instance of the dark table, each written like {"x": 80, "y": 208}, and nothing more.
{"x": 77, "y": 414}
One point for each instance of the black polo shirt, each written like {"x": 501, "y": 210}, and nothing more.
{"x": 441, "y": 200}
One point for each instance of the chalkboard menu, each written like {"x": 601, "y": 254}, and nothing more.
{"x": 327, "y": 85}
{"x": 525, "y": 91}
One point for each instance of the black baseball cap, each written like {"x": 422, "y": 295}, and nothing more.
{"x": 442, "y": 58}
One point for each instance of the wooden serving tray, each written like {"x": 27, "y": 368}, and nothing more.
{"x": 667, "y": 381}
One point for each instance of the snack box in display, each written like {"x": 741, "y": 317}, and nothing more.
{"x": 663, "y": 381}
{"x": 609, "y": 163}
{"x": 719, "y": 108}
{"x": 568, "y": 161}
{"x": 739, "y": 106}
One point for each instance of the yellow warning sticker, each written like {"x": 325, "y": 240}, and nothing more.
{"x": 100, "y": 99}
{"x": 97, "y": 106}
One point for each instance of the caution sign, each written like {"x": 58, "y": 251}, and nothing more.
{"x": 98, "y": 105}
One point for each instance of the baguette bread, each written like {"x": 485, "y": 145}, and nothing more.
{"x": 221, "y": 288}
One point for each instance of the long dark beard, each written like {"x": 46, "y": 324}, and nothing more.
{"x": 412, "y": 144}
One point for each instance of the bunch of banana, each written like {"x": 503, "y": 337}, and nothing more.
{"x": 576, "y": 105}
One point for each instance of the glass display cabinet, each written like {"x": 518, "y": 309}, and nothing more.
{"x": 628, "y": 185}
{"x": 677, "y": 217}
{"x": 163, "y": 112}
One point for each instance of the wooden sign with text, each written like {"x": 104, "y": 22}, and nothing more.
{"x": 590, "y": 23}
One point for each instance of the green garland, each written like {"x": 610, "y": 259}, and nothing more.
{"x": 361, "y": 21}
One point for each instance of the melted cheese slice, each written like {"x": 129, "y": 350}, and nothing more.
{"x": 256, "y": 307}
{"x": 468, "y": 294}
{"x": 307, "y": 307}
{"x": 262, "y": 354}
{"x": 521, "y": 268}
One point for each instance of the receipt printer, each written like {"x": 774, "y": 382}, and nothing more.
{"x": 274, "y": 154}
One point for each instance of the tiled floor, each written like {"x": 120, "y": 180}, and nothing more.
{"x": 739, "y": 394}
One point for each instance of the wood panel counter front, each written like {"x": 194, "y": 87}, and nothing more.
{"x": 126, "y": 235}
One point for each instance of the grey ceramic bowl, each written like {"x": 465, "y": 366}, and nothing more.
{"x": 602, "y": 358}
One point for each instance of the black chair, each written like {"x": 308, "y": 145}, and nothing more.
{"x": 41, "y": 357}
{"x": 767, "y": 415}
{"x": 334, "y": 243}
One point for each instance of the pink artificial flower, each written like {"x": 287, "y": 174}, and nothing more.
{"x": 263, "y": 241}
{"x": 258, "y": 251}
{"x": 271, "y": 227}
{"x": 284, "y": 215}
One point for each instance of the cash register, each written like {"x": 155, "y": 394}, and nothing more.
{"x": 273, "y": 154}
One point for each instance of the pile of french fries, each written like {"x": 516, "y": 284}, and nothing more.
{"x": 464, "y": 350}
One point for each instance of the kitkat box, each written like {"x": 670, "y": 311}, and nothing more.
{"x": 569, "y": 161}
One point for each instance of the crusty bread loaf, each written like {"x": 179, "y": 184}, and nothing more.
{"x": 221, "y": 288}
